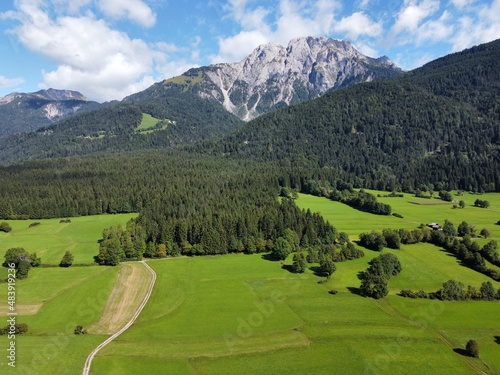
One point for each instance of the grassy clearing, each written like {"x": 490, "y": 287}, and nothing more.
{"x": 53, "y": 301}
{"x": 150, "y": 124}
{"x": 70, "y": 299}
{"x": 241, "y": 314}
{"x": 51, "y": 239}
{"x": 353, "y": 222}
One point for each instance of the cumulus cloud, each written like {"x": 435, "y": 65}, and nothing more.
{"x": 93, "y": 58}
{"x": 462, "y": 3}
{"x": 259, "y": 25}
{"x": 413, "y": 13}
{"x": 358, "y": 24}
{"x": 135, "y": 10}
{"x": 436, "y": 30}
{"x": 481, "y": 27}
{"x": 9, "y": 82}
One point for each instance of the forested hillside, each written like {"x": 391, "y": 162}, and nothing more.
{"x": 114, "y": 129}
{"x": 437, "y": 125}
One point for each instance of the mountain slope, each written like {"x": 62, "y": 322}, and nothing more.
{"x": 205, "y": 102}
{"x": 436, "y": 125}
{"x": 273, "y": 76}
{"x": 21, "y": 112}
{"x": 181, "y": 119}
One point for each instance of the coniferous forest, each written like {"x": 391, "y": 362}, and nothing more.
{"x": 437, "y": 128}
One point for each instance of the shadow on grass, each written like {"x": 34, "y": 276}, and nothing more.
{"x": 288, "y": 267}
{"x": 355, "y": 291}
{"x": 269, "y": 256}
{"x": 463, "y": 352}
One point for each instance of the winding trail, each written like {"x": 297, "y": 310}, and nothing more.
{"x": 88, "y": 362}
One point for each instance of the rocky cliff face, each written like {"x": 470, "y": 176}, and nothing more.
{"x": 273, "y": 76}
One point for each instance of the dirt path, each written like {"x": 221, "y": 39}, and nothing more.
{"x": 88, "y": 362}
{"x": 127, "y": 294}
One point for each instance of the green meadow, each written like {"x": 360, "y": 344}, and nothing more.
{"x": 51, "y": 238}
{"x": 54, "y": 300}
{"x": 244, "y": 314}
{"x": 149, "y": 124}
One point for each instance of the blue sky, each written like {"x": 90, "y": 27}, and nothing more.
{"x": 108, "y": 49}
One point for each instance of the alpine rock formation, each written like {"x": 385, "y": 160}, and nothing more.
{"x": 273, "y": 76}
{"x": 29, "y": 111}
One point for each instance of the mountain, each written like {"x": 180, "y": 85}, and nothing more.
{"x": 205, "y": 103}
{"x": 21, "y": 112}
{"x": 273, "y": 76}
{"x": 437, "y": 127}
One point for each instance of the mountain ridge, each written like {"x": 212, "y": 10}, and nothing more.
{"x": 22, "y": 112}
{"x": 274, "y": 76}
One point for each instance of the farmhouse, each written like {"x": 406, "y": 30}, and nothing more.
{"x": 434, "y": 226}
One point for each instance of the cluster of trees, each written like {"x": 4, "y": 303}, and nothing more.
{"x": 118, "y": 244}
{"x": 453, "y": 290}
{"x": 362, "y": 201}
{"x": 468, "y": 251}
{"x": 481, "y": 203}
{"x": 374, "y": 280}
{"x": 341, "y": 191}
{"x": 67, "y": 259}
{"x": 22, "y": 260}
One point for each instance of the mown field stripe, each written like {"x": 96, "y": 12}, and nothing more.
{"x": 88, "y": 362}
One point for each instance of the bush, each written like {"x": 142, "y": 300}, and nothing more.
{"x": 5, "y": 227}
{"x": 80, "y": 331}
{"x": 472, "y": 348}
{"x": 67, "y": 259}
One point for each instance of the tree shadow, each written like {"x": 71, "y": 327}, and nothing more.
{"x": 288, "y": 267}
{"x": 355, "y": 291}
{"x": 317, "y": 271}
{"x": 461, "y": 351}
{"x": 497, "y": 339}
{"x": 269, "y": 256}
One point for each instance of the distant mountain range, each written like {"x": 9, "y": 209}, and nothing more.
{"x": 271, "y": 77}
{"x": 30, "y": 111}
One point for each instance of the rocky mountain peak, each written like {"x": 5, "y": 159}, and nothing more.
{"x": 274, "y": 76}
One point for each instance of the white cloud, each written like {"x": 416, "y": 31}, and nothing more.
{"x": 481, "y": 27}
{"x": 436, "y": 30}
{"x": 292, "y": 19}
{"x": 234, "y": 48}
{"x": 135, "y": 10}
{"x": 100, "y": 62}
{"x": 413, "y": 13}
{"x": 358, "y": 24}
{"x": 460, "y": 4}
{"x": 9, "y": 82}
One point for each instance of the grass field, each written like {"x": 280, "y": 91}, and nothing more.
{"x": 53, "y": 301}
{"x": 243, "y": 314}
{"x": 148, "y": 124}
{"x": 415, "y": 211}
{"x": 51, "y": 239}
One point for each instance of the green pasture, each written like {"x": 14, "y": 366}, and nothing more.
{"x": 51, "y": 239}
{"x": 415, "y": 211}
{"x": 68, "y": 297}
{"x": 148, "y": 124}
{"x": 241, "y": 314}
{"x": 244, "y": 314}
